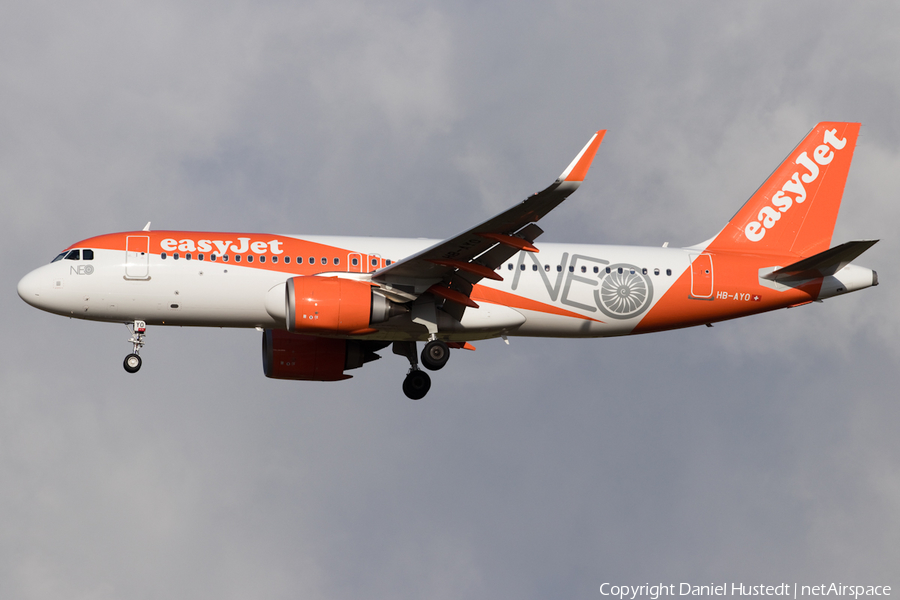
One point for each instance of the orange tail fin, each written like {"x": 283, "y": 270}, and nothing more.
{"x": 794, "y": 211}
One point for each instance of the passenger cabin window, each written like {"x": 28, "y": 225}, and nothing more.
{"x": 324, "y": 261}
{"x": 162, "y": 255}
{"x": 354, "y": 261}
{"x": 224, "y": 258}
{"x": 388, "y": 262}
{"x": 200, "y": 257}
{"x": 596, "y": 269}
{"x": 187, "y": 256}
{"x": 558, "y": 268}
{"x": 312, "y": 260}
{"x": 374, "y": 262}
{"x": 656, "y": 271}
{"x": 547, "y": 268}
{"x": 263, "y": 259}
{"x": 175, "y": 255}
{"x": 213, "y": 257}
{"x": 521, "y": 267}
{"x": 249, "y": 258}
{"x": 237, "y": 258}
{"x": 336, "y": 261}
{"x": 87, "y": 255}
{"x": 534, "y": 267}
{"x": 74, "y": 255}
{"x": 668, "y": 271}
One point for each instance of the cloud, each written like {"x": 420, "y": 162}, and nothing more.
{"x": 761, "y": 448}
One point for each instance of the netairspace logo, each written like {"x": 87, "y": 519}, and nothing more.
{"x": 785, "y": 590}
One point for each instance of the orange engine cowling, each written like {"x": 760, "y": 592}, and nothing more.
{"x": 334, "y": 305}
{"x": 310, "y": 358}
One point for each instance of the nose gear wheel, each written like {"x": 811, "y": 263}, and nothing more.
{"x": 133, "y": 361}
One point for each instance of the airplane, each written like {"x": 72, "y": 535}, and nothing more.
{"x": 326, "y": 304}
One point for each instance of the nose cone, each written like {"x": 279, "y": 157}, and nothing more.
{"x": 30, "y": 288}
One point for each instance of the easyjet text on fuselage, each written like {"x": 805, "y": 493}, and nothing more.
{"x": 244, "y": 245}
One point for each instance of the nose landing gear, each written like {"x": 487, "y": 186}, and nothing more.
{"x": 133, "y": 361}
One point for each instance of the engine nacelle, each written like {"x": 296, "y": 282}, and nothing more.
{"x": 310, "y": 358}
{"x": 334, "y": 305}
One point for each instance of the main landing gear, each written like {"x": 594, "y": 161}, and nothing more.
{"x": 434, "y": 356}
{"x": 416, "y": 384}
{"x": 133, "y": 361}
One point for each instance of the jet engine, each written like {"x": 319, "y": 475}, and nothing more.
{"x": 310, "y": 358}
{"x": 325, "y": 305}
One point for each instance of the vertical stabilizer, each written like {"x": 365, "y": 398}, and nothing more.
{"x": 794, "y": 211}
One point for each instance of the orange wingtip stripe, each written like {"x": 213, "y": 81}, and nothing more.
{"x": 511, "y": 241}
{"x": 583, "y": 162}
{"x": 468, "y": 267}
{"x": 452, "y": 295}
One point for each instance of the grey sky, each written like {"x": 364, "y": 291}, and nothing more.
{"x": 761, "y": 450}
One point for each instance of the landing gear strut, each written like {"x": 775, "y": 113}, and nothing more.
{"x": 417, "y": 382}
{"x": 133, "y": 361}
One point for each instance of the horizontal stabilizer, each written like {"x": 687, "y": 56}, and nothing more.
{"x": 822, "y": 264}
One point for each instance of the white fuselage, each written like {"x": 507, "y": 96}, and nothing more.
{"x": 178, "y": 291}
{"x": 566, "y": 290}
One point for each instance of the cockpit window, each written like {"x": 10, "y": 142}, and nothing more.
{"x": 60, "y": 256}
{"x": 87, "y": 254}
{"x": 73, "y": 255}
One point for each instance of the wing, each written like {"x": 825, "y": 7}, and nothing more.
{"x": 449, "y": 269}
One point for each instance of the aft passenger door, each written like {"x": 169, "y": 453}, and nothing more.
{"x": 701, "y": 277}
